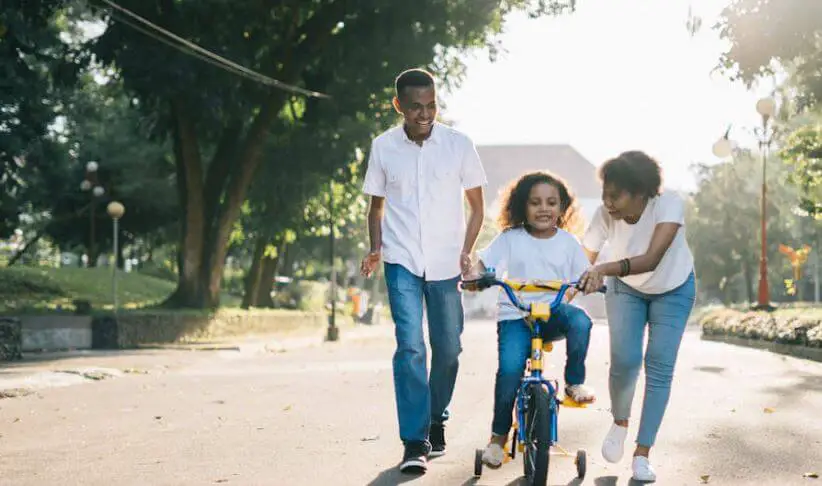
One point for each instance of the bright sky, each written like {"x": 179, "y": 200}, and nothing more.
{"x": 613, "y": 76}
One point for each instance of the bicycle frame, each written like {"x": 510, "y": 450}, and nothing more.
{"x": 537, "y": 314}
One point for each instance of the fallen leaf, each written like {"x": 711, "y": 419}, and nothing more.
{"x": 704, "y": 479}
{"x": 812, "y": 475}
{"x": 287, "y": 408}
{"x": 769, "y": 410}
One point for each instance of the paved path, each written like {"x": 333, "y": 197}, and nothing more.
{"x": 324, "y": 415}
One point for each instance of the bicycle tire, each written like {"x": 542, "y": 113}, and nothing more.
{"x": 536, "y": 457}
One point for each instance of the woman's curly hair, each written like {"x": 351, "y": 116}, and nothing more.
{"x": 515, "y": 200}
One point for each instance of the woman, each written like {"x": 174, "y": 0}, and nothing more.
{"x": 650, "y": 283}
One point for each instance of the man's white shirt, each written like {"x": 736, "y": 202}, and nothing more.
{"x": 423, "y": 228}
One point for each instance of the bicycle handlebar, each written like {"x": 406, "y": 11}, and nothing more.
{"x": 489, "y": 279}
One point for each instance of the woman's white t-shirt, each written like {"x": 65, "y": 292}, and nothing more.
{"x": 631, "y": 240}
{"x": 517, "y": 255}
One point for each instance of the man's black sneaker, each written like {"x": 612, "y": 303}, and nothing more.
{"x": 415, "y": 461}
{"x": 436, "y": 434}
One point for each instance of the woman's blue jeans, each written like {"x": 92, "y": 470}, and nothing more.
{"x": 665, "y": 316}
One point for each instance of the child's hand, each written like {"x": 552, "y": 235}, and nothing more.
{"x": 465, "y": 263}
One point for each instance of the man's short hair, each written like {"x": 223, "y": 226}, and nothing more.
{"x": 413, "y": 78}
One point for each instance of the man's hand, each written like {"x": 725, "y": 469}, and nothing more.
{"x": 369, "y": 263}
{"x": 465, "y": 263}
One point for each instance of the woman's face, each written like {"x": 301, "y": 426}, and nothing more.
{"x": 620, "y": 203}
{"x": 543, "y": 207}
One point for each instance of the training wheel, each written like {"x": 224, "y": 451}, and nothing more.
{"x": 581, "y": 462}
{"x": 478, "y": 463}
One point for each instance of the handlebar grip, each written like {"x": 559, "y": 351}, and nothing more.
{"x": 601, "y": 290}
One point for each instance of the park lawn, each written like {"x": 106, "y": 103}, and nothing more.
{"x": 32, "y": 289}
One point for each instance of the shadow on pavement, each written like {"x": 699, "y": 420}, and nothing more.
{"x": 614, "y": 480}
{"x": 520, "y": 481}
{"x": 392, "y": 476}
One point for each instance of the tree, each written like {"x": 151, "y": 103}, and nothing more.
{"x": 219, "y": 122}
{"x": 35, "y": 64}
{"x": 295, "y": 203}
{"x": 803, "y": 150}
{"x": 100, "y": 126}
{"x": 768, "y": 33}
{"x": 723, "y": 222}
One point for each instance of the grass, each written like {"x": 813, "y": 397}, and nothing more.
{"x": 33, "y": 289}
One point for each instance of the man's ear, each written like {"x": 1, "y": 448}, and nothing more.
{"x": 396, "y": 102}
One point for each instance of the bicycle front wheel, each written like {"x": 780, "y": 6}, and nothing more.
{"x": 536, "y": 456}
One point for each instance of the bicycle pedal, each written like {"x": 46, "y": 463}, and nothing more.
{"x": 571, "y": 403}
{"x": 507, "y": 457}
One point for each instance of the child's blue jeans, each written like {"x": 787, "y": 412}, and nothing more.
{"x": 514, "y": 342}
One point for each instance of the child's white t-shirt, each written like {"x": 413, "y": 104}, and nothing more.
{"x": 632, "y": 240}
{"x": 515, "y": 254}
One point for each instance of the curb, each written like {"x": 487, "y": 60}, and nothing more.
{"x": 803, "y": 352}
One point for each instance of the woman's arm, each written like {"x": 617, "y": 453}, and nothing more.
{"x": 664, "y": 234}
{"x": 592, "y": 255}
{"x": 661, "y": 240}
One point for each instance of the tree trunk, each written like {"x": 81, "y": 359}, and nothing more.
{"x": 252, "y": 284}
{"x": 263, "y": 297}
{"x": 249, "y": 160}
{"x": 190, "y": 186}
{"x": 747, "y": 273}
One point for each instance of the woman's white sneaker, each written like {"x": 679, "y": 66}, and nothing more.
{"x": 613, "y": 447}
{"x": 642, "y": 469}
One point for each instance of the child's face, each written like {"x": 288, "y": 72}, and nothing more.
{"x": 543, "y": 208}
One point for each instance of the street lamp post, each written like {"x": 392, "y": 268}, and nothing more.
{"x": 722, "y": 148}
{"x": 766, "y": 107}
{"x": 91, "y": 183}
{"x": 115, "y": 210}
{"x": 333, "y": 330}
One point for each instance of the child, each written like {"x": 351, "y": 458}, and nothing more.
{"x": 535, "y": 244}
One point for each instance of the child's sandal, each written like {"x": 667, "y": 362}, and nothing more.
{"x": 580, "y": 393}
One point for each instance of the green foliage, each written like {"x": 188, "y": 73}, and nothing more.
{"x": 786, "y": 32}
{"x": 802, "y": 149}
{"x": 35, "y": 66}
{"x": 723, "y": 221}
{"x": 305, "y": 295}
{"x": 134, "y": 169}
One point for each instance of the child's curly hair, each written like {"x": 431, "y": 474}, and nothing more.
{"x": 514, "y": 202}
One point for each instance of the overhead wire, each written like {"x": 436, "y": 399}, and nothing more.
{"x": 167, "y": 37}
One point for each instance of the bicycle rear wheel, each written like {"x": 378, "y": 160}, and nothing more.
{"x": 536, "y": 456}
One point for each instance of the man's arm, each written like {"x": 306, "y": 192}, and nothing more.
{"x": 476, "y": 205}
{"x": 375, "y": 212}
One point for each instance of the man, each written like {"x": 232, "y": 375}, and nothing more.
{"x": 417, "y": 174}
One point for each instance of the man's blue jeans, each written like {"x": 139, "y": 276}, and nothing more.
{"x": 422, "y": 400}
{"x": 514, "y": 348}
{"x": 665, "y": 316}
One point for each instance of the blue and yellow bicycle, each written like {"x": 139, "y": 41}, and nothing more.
{"x": 537, "y": 404}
